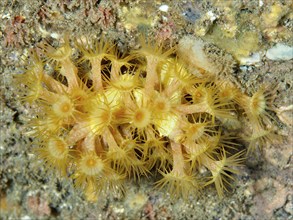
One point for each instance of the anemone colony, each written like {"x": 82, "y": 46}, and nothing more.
{"x": 102, "y": 116}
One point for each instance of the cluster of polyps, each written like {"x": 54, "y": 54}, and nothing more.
{"x": 103, "y": 116}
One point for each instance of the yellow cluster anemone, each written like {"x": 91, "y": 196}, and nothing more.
{"x": 103, "y": 116}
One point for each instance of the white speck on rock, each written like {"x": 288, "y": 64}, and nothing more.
{"x": 55, "y": 35}
{"x": 26, "y": 217}
{"x": 251, "y": 60}
{"x": 164, "y": 18}
{"x": 164, "y": 8}
{"x": 7, "y": 15}
{"x": 211, "y": 15}
{"x": 260, "y": 3}
{"x": 14, "y": 56}
{"x": 280, "y": 52}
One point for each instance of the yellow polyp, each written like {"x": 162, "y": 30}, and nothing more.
{"x": 141, "y": 118}
{"x": 166, "y": 123}
{"x": 91, "y": 165}
{"x": 125, "y": 83}
{"x": 58, "y": 148}
{"x": 257, "y": 105}
{"x": 195, "y": 131}
{"x": 99, "y": 116}
{"x": 69, "y": 70}
{"x": 64, "y": 107}
{"x": 96, "y": 75}
{"x": 62, "y": 53}
{"x": 55, "y": 152}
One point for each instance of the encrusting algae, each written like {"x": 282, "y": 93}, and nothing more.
{"x": 102, "y": 116}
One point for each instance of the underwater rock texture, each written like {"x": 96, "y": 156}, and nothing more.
{"x": 239, "y": 28}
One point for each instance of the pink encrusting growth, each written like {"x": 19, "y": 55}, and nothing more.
{"x": 104, "y": 116}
